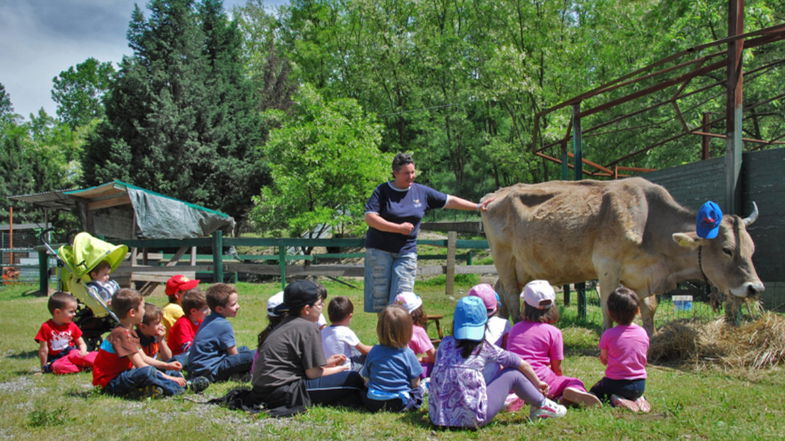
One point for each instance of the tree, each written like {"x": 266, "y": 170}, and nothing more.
{"x": 6, "y": 108}
{"x": 324, "y": 162}
{"x": 180, "y": 115}
{"x": 78, "y": 92}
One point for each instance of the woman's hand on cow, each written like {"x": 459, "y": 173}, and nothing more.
{"x": 483, "y": 206}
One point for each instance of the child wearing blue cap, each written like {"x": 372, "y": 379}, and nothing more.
{"x": 460, "y": 396}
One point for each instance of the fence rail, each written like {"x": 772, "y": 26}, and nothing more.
{"x": 282, "y": 259}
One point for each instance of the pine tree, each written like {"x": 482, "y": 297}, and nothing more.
{"x": 179, "y": 115}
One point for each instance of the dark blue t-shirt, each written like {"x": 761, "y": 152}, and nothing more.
{"x": 214, "y": 337}
{"x": 395, "y": 205}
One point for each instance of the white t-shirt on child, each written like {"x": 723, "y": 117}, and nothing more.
{"x": 495, "y": 329}
{"x": 339, "y": 340}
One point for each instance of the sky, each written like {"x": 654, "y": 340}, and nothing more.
{"x": 41, "y": 38}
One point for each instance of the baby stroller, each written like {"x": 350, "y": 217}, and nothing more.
{"x": 75, "y": 262}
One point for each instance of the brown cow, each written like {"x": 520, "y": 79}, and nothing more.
{"x": 629, "y": 232}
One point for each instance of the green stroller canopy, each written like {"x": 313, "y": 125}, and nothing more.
{"x": 87, "y": 252}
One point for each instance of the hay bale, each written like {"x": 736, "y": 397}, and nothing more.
{"x": 758, "y": 344}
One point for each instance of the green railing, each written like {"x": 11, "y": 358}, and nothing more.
{"x": 217, "y": 243}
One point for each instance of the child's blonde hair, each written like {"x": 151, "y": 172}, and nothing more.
{"x": 394, "y": 327}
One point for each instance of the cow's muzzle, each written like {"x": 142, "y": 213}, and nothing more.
{"x": 748, "y": 289}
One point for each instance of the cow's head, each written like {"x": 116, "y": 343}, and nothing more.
{"x": 727, "y": 260}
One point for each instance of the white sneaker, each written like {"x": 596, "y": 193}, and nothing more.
{"x": 548, "y": 409}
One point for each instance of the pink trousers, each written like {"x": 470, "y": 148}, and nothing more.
{"x": 73, "y": 362}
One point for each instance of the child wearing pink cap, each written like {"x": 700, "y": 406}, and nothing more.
{"x": 538, "y": 341}
{"x": 420, "y": 343}
{"x": 497, "y": 327}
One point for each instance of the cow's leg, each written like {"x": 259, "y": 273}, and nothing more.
{"x": 648, "y": 308}
{"x": 609, "y": 281}
{"x": 507, "y": 283}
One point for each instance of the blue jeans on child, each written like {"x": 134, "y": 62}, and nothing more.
{"x": 133, "y": 379}
{"x": 238, "y": 364}
{"x": 387, "y": 275}
{"x": 629, "y": 389}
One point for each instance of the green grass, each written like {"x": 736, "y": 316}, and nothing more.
{"x": 706, "y": 405}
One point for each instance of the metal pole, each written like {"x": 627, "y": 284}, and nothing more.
{"x": 578, "y": 152}
{"x": 282, "y": 264}
{"x": 218, "y": 250}
{"x": 43, "y": 271}
{"x": 733, "y": 108}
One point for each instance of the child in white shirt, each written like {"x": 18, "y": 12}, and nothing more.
{"x": 338, "y": 338}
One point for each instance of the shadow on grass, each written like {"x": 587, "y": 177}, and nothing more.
{"x": 24, "y": 355}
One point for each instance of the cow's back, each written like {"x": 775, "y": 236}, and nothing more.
{"x": 553, "y": 229}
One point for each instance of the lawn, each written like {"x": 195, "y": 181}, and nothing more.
{"x": 690, "y": 405}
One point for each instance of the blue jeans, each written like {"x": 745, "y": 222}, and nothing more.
{"x": 629, "y": 389}
{"x": 387, "y": 275}
{"x": 133, "y": 379}
{"x": 239, "y": 364}
{"x": 342, "y": 389}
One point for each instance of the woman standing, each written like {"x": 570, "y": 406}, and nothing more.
{"x": 393, "y": 214}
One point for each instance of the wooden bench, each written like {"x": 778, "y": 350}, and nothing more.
{"x": 436, "y": 318}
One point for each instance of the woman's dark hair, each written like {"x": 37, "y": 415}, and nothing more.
{"x": 400, "y": 160}
{"x": 536, "y": 315}
{"x": 468, "y": 347}
{"x": 272, "y": 323}
{"x": 419, "y": 317}
{"x": 623, "y": 305}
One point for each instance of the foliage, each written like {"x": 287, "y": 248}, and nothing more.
{"x": 180, "y": 115}
{"x": 324, "y": 162}
{"x": 78, "y": 92}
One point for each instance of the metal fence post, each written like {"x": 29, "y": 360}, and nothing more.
{"x": 218, "y": 250}
{"x": 43, "y": 271}
{"x": 282, "y": 264}
{"x": 577, "y": 140}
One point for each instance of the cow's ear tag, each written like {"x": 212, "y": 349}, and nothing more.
{"x": 687, "y": 240}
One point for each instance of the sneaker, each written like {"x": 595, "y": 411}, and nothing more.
{"x": 643, "y": 405}
{"x": 580, "y": 397}
{"x": 624, "y": 403}
{"x": 548, "y": 409}
{"x": 198, "y": 384}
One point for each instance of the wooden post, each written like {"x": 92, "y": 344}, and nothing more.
{"x": 218, "y": 250}
{"x": 43, "y": 271}
{"x": 282, "y": 264}
{"x": 449, "y": 287}
{"x": 193, "y": 256}
{"x": 566, "y": 289}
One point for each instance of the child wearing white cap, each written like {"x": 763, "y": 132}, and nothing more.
{"x": 538, "y": 341}
{"x": 420, "y": 343}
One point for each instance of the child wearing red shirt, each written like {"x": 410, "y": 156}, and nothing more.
{"x": 182, "y": 333}
{"x": 62, "y": 349}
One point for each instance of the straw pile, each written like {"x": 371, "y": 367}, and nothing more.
{"x": 757, "y": 344}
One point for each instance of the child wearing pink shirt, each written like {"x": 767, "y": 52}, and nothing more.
{"x": 623, "y": 351}
{"x": 420, "y": 343}
{"x": 536, "y": 340}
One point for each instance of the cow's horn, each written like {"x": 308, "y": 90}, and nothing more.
{"x": 749, "y": 220}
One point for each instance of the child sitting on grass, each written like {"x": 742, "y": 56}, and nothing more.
{"x": 459, "y": 394}
{"x": 497, "y": 327}
{"x": 181, "y": 335}
{"x": 536, "y": 340}
{"x": 420, "y": 343}
{"x": 623, "y": 351}
{"x": 338, "y": 338}
{"x": 62, "y": 349}
{"x": 391, "y": 370}
{"x": 121, "y": 367}
{"x": 214, "y": 353}
{"x": 176, "y": 286}
{"x": 152, "y": 334}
